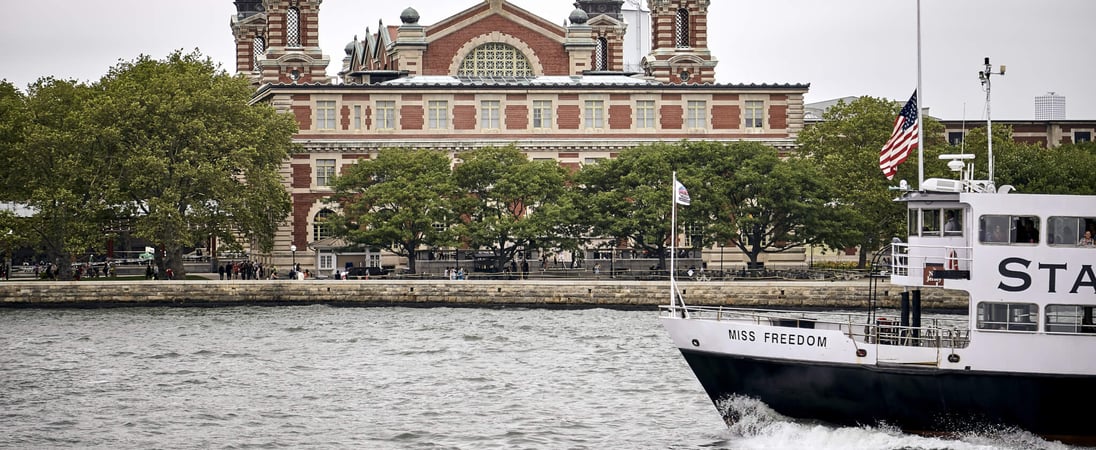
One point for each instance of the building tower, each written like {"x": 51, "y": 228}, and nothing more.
{"x": 1050, "y": 107}
{"x": 278, "y": 41}
{"x": 679, "y": 42}
{"x": 606, "y": 21}
{"x": 249, "y": 29}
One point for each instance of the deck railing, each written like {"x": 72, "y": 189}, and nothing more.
{"x": 934, "y": 332}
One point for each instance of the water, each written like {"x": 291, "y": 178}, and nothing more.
{"x": 380, "y": 378}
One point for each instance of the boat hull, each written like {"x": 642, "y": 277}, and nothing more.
{"x": 915, "y": 399}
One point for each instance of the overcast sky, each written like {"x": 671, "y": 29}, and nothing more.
{"x": 841, "y": 47}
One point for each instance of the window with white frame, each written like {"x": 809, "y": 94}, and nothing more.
{"x": 438, "y": 114}
{"x": 386, "y": 115}
{"x": 357, "y": 117}
{"x": 645, "y": 114}
{"x": 694, "y": 235}
{"x": 595, "y": 114}
{"x": 542, "y": 114}
{"x": 489, "y": 114}
{"x": 325, "y": 171}
{"x": 755, "y": 114}
{"x": 325, "y": 115}
{"x": 696, "y": 114}
{"x": 327, "y": 261}
{"x": 1008, "y": 316}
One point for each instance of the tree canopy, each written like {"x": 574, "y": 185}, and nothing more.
{"x": 395, "y": 202}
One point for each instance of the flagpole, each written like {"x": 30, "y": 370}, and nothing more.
{"x": 673, "y": 237}
{"x": 920, "y": 110}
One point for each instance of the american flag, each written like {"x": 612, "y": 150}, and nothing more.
{"x": 902, "y": 141}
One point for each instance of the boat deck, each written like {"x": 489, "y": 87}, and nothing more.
{"x": 934, "y": 332}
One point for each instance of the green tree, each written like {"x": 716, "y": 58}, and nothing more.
{"x": 629, "y": 198}
{"x": 1031, "y": 168}
{"x": 196, "y": 159}
{"x": 502, "y": 191}
{"x": 394, "y": 201}
{"x": 765, "y": 204}
{"x": 846, "y": 146}
{"x": 59, "y": 169}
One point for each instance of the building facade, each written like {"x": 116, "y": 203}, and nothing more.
{"x": 492, "y": 75}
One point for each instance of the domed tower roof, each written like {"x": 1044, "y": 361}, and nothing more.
{"x": 409, "y": 16}
{"x": 578, "y": 17}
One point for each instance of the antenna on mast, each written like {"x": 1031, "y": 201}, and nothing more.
{"x": 984, "y": 76}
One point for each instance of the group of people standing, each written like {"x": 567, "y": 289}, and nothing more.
{"x": 245, "y": 270}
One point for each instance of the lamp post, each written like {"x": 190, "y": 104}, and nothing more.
{"x": 7, "y": 270}
{"x": 721, "y": 245}
{"x": 293, "y": 252}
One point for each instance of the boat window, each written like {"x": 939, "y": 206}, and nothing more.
{"x": 953, "y": 222}
{"x": 930, "y": 222}
{"x": 1008, "y": 316}
{"x": 1070, "y": 231}
{"x": 1070, "y": 319}
{"x": 1000, "y": 229}
{"x": 914, "y": 223}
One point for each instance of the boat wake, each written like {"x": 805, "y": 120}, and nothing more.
{"x": 753, "y": 425}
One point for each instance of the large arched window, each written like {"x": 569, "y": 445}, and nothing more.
{"x": 258, "y": 49}
{"x": 321, "y": 228}
{"x": 293, "y": 28}
{"x": 601, "y": 54}
{"x": 682, "y": 34}
{"x": 495, "y": 59}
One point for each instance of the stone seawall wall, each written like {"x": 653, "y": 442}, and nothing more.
{"x": 617, "y": 294}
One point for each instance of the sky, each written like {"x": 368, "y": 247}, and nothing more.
{"x": 840, "y": 47}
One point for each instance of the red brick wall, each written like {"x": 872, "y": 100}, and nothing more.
{"x": 778, "y": 117}
{"x": 726, "y": 117}
{"x": 673, "y": 117}
{"x": 620, "y": 117}
{"x": 464, "y": 117}
{"x": 517, "y": 117}
{"x": 567, "y": 117}
{"x": 411, "y": 117}
{"x": 303, "y": 114}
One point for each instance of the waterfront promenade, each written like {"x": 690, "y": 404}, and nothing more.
{"x": 569, "y": 293}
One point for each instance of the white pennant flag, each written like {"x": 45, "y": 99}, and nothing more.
{"x": 682, "y": 196}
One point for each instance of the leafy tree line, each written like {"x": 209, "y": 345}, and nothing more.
{"x": 829, "y": 193}
{"x": 168, "y": 151}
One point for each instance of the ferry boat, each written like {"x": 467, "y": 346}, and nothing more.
{"x": 1023, "y": 356}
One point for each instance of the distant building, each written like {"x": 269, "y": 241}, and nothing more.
{"x": 1050, "y": 107}
{"x": 612, "y": 77}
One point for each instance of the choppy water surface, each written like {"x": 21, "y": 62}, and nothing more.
{"x": 379, "y": 378}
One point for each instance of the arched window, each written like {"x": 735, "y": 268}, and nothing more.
{"x": 293, "y": 28}
{"x": 258, "y": 49}
{"x": 601, "y": 54}
{"x": 321, "y": 228}
{"x": 495, "y": 59}
{"x": 682, "y": 34}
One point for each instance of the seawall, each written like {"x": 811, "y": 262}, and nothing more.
{"x": 531, "y": 293}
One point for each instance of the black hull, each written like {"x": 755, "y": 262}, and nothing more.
{"x": 920, "y": 400}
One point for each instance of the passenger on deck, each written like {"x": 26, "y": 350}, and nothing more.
{"x": 1087, "y": 240}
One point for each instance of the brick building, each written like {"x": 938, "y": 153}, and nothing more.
{"x": 492, "y": 75}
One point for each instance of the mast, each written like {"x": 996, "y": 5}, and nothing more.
{"x": 984, "y": 76}
{"x": 920, "y": 110}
